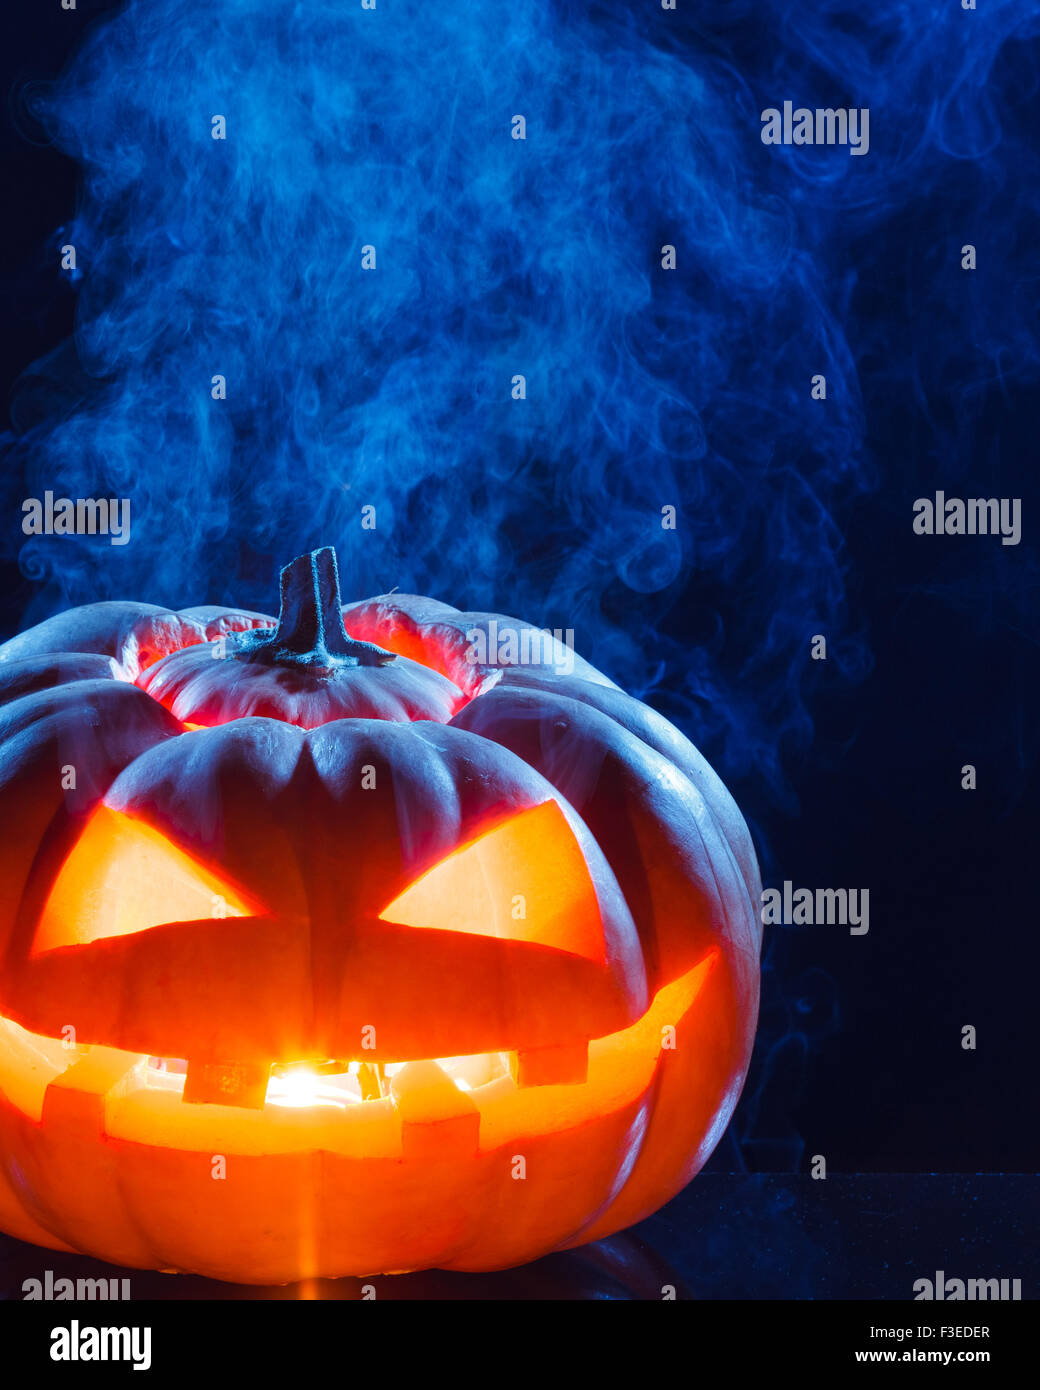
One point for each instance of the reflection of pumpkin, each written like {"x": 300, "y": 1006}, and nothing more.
{"x": 366, "y": 956}
{"x": 620, "y": 1267}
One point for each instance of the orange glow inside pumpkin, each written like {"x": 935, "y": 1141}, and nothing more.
{"x": 473, "y": 890}
{"x": 299, "y": 1087}
{"x": 123, "y": 876}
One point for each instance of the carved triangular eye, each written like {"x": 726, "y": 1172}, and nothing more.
{"x": 526, "y": 879}
{"x": 123, "y": 876}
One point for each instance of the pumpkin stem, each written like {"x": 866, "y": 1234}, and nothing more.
{"x": 310, "y": 629}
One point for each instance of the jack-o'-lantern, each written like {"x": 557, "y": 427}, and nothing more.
{"x": 355, "y": 941}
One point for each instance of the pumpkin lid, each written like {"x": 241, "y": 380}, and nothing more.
{"x": 304, "y": 670}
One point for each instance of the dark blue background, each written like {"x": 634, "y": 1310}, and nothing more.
{"x": 859, "y": 1054}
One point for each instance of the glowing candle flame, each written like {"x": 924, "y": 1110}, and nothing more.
{"x": 303, "y": 1089}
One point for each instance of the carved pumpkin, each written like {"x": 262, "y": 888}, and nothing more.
{"x": 328, "y": 949}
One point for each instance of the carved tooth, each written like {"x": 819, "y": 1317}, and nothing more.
{"x": 437, "y": 1119}
{"x": 227, "y": 1083}
{"x": 76, "y": 1099}
{"x": 550, "y": 1066}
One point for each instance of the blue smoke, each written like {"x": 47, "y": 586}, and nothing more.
{"x": 391, "y": 388}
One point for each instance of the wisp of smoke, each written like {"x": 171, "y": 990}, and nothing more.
{"x": 392, "y": 387}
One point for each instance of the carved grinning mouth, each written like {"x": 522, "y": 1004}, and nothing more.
{"x": 126, "y": 1096}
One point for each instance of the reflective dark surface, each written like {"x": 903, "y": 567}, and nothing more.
{"x": 622, "y": 1268}
{"x": 727, "y": 1236}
